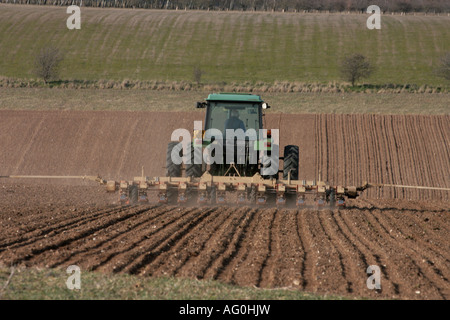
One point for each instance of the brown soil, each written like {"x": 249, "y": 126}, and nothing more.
{"x": 341, "y": 149}
{"x": 404, "y": 232}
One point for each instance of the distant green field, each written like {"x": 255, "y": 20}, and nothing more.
{"x": 228, "y": 46}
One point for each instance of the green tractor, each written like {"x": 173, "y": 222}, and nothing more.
{"x": 232, "y": 158}
{"x": 236, "y": 141}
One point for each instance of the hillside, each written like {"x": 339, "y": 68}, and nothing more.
{"x": 227, "y": 46}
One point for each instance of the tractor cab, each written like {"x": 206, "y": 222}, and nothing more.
{"x": 232, "y": 111}
{"x": 235, "y": 121}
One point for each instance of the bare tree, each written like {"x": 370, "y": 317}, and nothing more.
{"x": 443, "y": 69}
{"x": 47, "y": 62}
{"x": 355, "y": 67}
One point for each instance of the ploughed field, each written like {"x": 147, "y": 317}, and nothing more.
{"x": 404, "y": 232}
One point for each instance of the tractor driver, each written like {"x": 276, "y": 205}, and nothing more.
{"x": 234, "y": 122}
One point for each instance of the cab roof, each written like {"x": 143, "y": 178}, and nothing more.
{"x": 238, "y": 97}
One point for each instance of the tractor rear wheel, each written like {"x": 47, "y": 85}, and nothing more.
{"x": 172, "y": 169}
{"x": 291, "y": 156}
{"x": 195, "y": 170}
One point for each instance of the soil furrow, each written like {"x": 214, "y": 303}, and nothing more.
{"x": 274, "y": 262}
{"x": 425, "y": 223}
{"x": 413, "y": 262}
{"x": 124, "y": 255}
{"x": 378, "y": 150}
{"x": 222, "y": 247}
{"x": 430, "y": 245}
{"x": 360, "y": 234}
{"x": 287, "y": 263}
{"x": 413, "y": 156}
{"x": 266, "y": 249}
{"x": 192, "y": 245}
{"x": 138, "y": 264}
{"x": 330, "y": 270}
{"x": 300, "y": 243}
{"x": 310, "y": 258}
{"x": 347, "y": 252}
{"x": 248, "y": 272}
{"x": 31, "y": 252}
{"x": 112, "y": 237}
{"x": 41, "y": 232}
{"x": 238, "y": 250}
